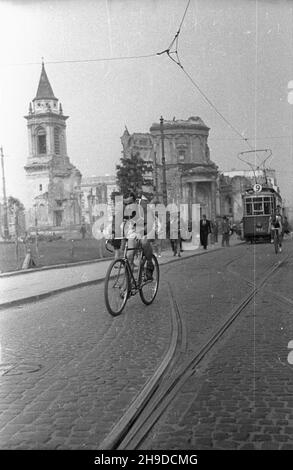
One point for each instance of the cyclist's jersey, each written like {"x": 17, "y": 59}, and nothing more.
{"x": 276, "y": 221}
{"x": 129, "y": 229}
{"x": 136, "y": 221}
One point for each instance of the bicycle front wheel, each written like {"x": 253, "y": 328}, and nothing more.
{"x": 276, "y": 243}
{"x": 116, "y": 287}
{"x": 148, "y": 289}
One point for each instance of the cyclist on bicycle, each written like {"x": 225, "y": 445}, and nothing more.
{"x": 275, "y": 223}
{"x": 131, "y": 232}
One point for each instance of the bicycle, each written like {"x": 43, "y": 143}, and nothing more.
{"x": 277, "y": 239}
{"x": 121, "y": 283}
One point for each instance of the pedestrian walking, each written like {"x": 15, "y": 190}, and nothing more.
{"x": 205, "y": 230}
{"x": 215, "y": 230}
{"x": 286, "y": 226}
{"x": 83, "y": 230}
{"x": 175, "y": 234}
{"x": 226, "y": 231}
{"x": 158, "y": 236}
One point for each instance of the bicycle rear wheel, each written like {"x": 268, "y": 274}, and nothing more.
{"x": 148, "y": 289}
{"x": 116, "y": 287}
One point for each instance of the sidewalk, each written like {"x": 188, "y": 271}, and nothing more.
{"x": 36, "y": 284}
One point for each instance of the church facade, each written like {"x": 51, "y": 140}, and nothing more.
{"x": 53, "y": 182}
{"x": 191, "y": 176}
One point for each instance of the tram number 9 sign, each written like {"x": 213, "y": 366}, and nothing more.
{"x": 257, "y": 188}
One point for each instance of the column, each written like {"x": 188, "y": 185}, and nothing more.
{"x": 194, "y": 217}
{"x": 30, "y": 142}
{"x": 213, "y": 199}
{"x": 49, "y": 140}
{"x": 218, "y": 200}
{"x": 194, "y": 196}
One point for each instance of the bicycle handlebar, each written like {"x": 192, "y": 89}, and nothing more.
{"x": 109, "y": 240}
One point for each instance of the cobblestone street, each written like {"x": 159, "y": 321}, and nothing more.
{"x": 69, "y": 370}
{"x": 241, "y": 396}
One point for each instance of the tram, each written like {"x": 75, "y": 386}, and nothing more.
{"x": 259, "y": 202}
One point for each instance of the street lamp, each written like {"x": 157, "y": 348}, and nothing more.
{"x": 164, "y": 184}
{"x": 156, "y": 175}
{"x": 36, "y": 227}
{"x": 16, "y": 214}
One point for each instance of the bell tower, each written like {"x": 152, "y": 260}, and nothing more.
{"x": 51, "y": 179}
{"x": 46, "y": 136}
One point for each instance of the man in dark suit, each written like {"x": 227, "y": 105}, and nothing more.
{"x": 205, "y": 229}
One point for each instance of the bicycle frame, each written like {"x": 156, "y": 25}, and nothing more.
{"x": 137, "y": 249}
{"x": 131, "y": 284}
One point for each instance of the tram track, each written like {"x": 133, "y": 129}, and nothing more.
{"x": 132, "y": 429}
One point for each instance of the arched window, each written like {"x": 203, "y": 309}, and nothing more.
{"x": 57, "y": 140}
{"x": 41, "y": 138}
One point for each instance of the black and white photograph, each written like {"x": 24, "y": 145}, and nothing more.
{"x": 146, "y": 232}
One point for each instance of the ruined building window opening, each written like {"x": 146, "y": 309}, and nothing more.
{"x": 57, "y": 140}
{"x": 181, "y": 155}
{"x": 42, "y": 147}
{"x": 40, "y": 187}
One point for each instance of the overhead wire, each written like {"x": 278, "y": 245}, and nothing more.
{"x": 250, "y": 138}
{"x": 171, "y": 53}
{"x": 102, "y": 59}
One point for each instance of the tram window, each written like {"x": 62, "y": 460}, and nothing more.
{"x": 267, "y": 207}
{"x": 257, "y": 207}
{"x": 248, "y": 208}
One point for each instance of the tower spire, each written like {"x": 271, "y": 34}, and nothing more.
{"x": 45, "y": 90}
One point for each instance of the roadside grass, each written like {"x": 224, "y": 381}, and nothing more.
{"x": 51, "y": 253}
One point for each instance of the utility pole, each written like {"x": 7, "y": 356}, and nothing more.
{"x": 156, "y": 175}
{"x": 36, "y": 227}
{"x": 16, "y": 220}
{"x": 5, "y": 221}
{"x": 164, "y": 184}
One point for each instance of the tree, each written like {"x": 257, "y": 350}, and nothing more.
{"x": 16, "y": 214}
{"x": 14, "y": 203}
{"x": 132, "y": 173}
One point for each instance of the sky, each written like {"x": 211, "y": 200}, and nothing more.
{"x": 237, "y": 52}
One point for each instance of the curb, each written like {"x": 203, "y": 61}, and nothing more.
{"x": 54, "y": 266}
{"x": 60, "y": 290}
{"x": 36, "y": 297}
